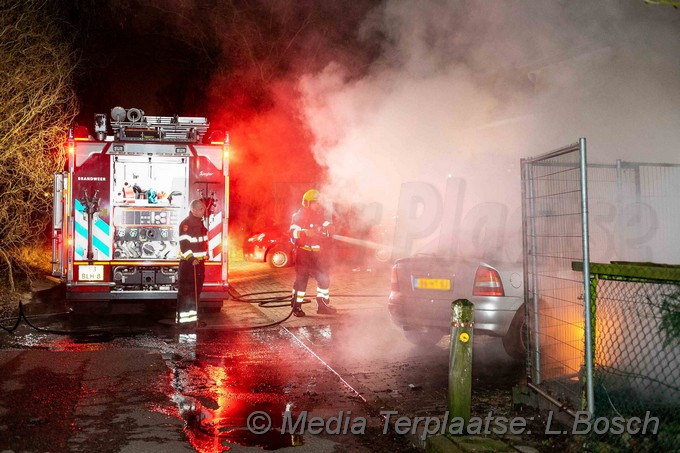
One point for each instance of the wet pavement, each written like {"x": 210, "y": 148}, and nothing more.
{"x": 137, "y": 385}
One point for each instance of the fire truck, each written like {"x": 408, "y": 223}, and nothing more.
{"x": 118, "y": 205}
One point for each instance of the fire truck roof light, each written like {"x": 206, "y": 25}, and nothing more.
{"x": 216, "y": 137}
{"x": 80, "y": 133}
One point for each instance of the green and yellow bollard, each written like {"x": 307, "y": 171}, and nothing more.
{"x": 460, "y": 359}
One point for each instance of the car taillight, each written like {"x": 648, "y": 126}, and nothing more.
{"x": 487, "y": 282}
{"x": 394, "y": 280}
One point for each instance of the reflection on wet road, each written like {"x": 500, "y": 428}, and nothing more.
{"x": 219, "y": 379}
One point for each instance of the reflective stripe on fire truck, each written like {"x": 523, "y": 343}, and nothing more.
{"x": 215, "y": 236}
{"x": 101, "y": 236}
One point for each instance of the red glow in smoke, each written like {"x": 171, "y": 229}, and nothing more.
{"x": 270, "y": 153}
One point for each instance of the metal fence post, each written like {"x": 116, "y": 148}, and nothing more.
{"x": 589, "y": 332}
{"x": 530, "y": 273}
{"x": 586, "y": 398}
{"x": 460, "y": 359}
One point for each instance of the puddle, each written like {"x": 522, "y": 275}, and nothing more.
{"x": 220, "y": 391}
{"x": 216, "y": 430}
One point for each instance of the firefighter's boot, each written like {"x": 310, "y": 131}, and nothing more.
{"x": 297, "y": 311}
{"x": 323, "y": 306}
{"x": 296, "y": 303}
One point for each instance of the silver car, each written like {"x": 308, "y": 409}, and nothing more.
{"x": 423, "y": 287}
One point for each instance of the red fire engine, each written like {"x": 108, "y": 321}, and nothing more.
{"x": 118, "y": 205}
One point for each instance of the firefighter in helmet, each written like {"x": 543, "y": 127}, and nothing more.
{"x": 193, "y": 243}
{"x": 310, "y": 233}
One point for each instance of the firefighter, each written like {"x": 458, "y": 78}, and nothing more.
{"x": 193, "y": 244}
{"x": 310, "y": 233}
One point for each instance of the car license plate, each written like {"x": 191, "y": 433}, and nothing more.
{"x": 91, "y": 273}
{"x": 441, "y": 284}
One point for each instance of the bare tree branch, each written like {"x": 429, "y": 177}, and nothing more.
{"x": 37, "y": 104}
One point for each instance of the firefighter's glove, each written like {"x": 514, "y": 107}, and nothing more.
{"x": 327, "y": 231}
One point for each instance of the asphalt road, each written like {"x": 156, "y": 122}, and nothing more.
{"x": 339, "y": 381}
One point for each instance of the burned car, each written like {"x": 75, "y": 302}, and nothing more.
{"x": 423, "y": 287}
{"x": 272, "y": 246}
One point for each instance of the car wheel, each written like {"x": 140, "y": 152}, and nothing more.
{"x": 279, "y": 256}
{"x": 514, "y": 341}
{"x": 422, "y": 336}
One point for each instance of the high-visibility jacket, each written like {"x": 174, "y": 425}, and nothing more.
{"x": 193, "y": 239}
{"x": 306, "y": 219}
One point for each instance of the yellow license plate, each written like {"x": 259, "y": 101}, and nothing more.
{"x": 441, "y": 284}
{"x": 91, "y": 273}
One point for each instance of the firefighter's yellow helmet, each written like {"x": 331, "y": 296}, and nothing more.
{"x": 309, "y": 196}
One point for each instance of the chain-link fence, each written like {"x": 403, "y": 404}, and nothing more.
{"x": 621, "y": 357}
{"x": 637, "y": 346}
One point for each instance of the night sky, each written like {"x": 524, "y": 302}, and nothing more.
{"x": 195, "y": 58}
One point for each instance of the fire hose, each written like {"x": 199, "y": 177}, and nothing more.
{"x": 272, "y": 301}
{"x": 80, "y": 336}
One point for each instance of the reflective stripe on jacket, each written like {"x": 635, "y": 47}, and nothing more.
{"x": 193, "y": 239}
{"x": 306, "y": 219}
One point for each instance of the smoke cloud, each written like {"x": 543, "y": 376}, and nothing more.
{"x": 373, "y": 98}
{"x": 463, "y": 90}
